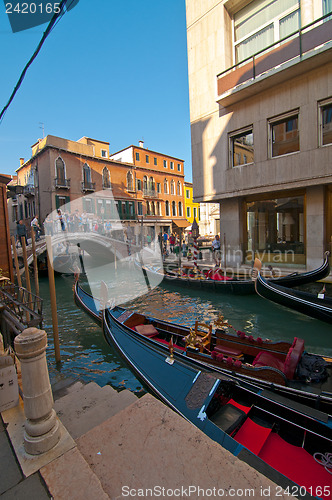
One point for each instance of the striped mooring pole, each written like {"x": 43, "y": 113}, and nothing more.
{"x": 195, "y": 233}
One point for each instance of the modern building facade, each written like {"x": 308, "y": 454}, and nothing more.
{"x": 61, "y": 171}
{"x": 260, "y": 82}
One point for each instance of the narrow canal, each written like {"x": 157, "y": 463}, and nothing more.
{"x": 85, "y": 355}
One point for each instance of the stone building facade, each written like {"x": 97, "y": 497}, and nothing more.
{"x": 260, "y": 83}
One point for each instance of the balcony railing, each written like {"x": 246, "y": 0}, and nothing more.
{"x": 88, "y": 186}
{"x": 291, "y": 49}
{"x": 29, "y": 190}
{"x": 150, "y": 193}
{"x": 127, "y": 216}
{"x": 61, "y": 183}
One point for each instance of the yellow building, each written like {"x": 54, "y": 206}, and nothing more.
{"x": 192, "y": 210}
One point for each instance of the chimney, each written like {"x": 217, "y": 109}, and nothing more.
{"x": 141, "y": 144}
{"x": 21, "y": 161}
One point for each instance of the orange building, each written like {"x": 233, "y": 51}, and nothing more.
{"x": 148, "y": 189}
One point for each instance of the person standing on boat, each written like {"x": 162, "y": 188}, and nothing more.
{"x": 216, "y": 250}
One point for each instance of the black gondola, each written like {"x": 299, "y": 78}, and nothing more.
{"x": 216, "y": 281}
{"x": 285, "y": 443}
{"x": 234, "y": 354}
{"x": 304, "y": 302}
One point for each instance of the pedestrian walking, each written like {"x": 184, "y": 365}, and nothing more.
{"x": 21, "y": 231}
{"x": 36, "y": 227}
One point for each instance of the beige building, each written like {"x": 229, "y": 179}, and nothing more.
{"x": 260, "y": 82}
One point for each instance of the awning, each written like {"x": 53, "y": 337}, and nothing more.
{"x": 181, "y": 223}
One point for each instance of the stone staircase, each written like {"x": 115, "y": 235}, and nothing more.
{"x": 82, "y": 407}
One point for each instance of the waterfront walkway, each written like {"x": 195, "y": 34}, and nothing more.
{"x": 133, "y": 447}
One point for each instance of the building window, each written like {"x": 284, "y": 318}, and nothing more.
{"x": 60, "y": 171}
{"x": 165, "y": 163}
{"x": 241, "y": 147}
{"x": 158, "y": 187}
{"x": 195, "y": 212}
{"x": 155, "y": 161}
{"x": 172, "y": 187}
{"x": 325, "y": 123}
{"x": 180, "y": 209}
{"x": 167, "y": 208}
{"x": 145, "y": 183}
{"x": 130, "y": 181}
{"x": 137, "y": 156}
{"x": 139, "y": 208}
{"x": 86, "y": 174}
{"x": 284, "y": 135}
{"x": 147, "y": 159}
{"x": 179, "y": 167}
{"x": 106, "y": 178}
{"x": 173, "y": 209}
{"x": 188, "y": 213}
{"x": 171, "y": 164}
{"x": 104, "y": 153}
{"x": 158, "y": 208}
{"x": 276, "y": 226}
{"x": 187, "y": 194}
{"x": 179, "y": 189}
{"x": 165, "y": 186}
{"x": 138, "y": 184}
{"x": 263, "y": 22}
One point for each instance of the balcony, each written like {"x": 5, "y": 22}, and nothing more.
{"x": 88, "y": 186}
{"x": 150, "y": 193}
{"x": 61, "y": 183}
{"x": 127, "y": 216}
{"x": 303, "y": 50}
{"x": 29, "y": 190}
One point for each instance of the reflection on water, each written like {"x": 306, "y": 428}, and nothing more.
{"x": 86, "y": 355}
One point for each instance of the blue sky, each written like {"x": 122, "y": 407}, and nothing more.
{"x": 111, "y": 70}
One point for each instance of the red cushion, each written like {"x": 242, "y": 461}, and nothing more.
{"x": 266, "y": 359}
{"x": 293, "y": 357}
{"x": 146, "y": 330}
{"x": 227, "y": 350}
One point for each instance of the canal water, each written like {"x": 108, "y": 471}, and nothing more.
{"x": 86, "y": 356}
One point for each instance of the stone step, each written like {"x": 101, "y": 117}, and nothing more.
{"x": 70, "y": 476}
{"x": 94, "y": 416}
{"x": 86, "y": 406}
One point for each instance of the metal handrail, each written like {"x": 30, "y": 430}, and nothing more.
{"x": 20, "y": 302}
{"x": 269, "y": 47}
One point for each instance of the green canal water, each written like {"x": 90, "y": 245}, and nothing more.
{"x": 86, "y": 356}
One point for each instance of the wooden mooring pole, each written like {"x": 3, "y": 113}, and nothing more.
{"x": 53, "y": 298}
{"x": 35, "y": 263}
{"x": 26, "y": 266}
{"x": 17, "y": 267}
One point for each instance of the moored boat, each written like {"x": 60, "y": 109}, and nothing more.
{"x": 301, "y": 301}
{"x": 283, "y": 441}
{"x": 283, "y": 367}
{"x": 215, "y": 280}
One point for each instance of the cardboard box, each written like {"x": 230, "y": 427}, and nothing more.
{"x": 8, "y": 384}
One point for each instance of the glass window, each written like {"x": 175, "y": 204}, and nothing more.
{"x": 179, "y": 167}
{"x": 263, "y": 22}
{"x": 173, "y": 209}
{"x": 130, "y": 181}
{"x": 106, "y": 178}
{"x": 172, "y": 187}
{"x": 326, "y": 124}
{"x": 165, "y": 186}
{"x": 147, "y": 159}
{"x": 195, "y": 212}
{"x": 155, "y": 162}
{"x": 180, "y": 209}
{"x": 171, "y": 164}
{"x": 276, "y": 226}
{"x": 187, "y": 194}
{"x": 104, "y": 153}
{"x": 242, "y": 148}
{"x": 165, "y": 163}
{"x": 158, "y": 187}
{"x": 137, "y": 156}
{"x": 139, "y": 184}
{"x": 188, "y": 212}
{"x": 179, "y": 190}
{"x": 167, "y": 208}
{"x": 284, "y": 136}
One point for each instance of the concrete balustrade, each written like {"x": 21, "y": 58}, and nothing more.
{"x": 42, "y": 430}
